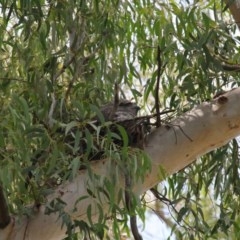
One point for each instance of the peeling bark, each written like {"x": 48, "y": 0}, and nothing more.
{"x": 171, "y": 147}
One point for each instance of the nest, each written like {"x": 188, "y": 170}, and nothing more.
{"x": 110, "y": 127}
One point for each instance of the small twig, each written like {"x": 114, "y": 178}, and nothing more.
{"x": 226, "y": 66}
{"x": 70, "y": 85}
{"x": 62, "y": 70}
{"x": 143, "y": 117}
{"x": 13, "y": 79}
{"x": 169, "y": 204}
{"x": 183, "y": 132}
{"x": 51, "y": 111}
{"x": 116, "y": 101}
{"x": 159, "y": 196}
{"x": 231, "y": 67}
{"x": 128, "y": 200}
{"x": 159, "y": 70}
{"x": 133, "y": 224}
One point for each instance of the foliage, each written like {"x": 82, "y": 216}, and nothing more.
{"x": 59, "y": 62}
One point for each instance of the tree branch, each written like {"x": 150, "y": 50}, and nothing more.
{"x": 231, "y": 67}
{"x": 234, "y": 7}
{"x": 128, "y": 200}
{"x": 209, "y": 126}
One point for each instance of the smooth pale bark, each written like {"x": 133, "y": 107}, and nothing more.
{"x": 173, "y": 147}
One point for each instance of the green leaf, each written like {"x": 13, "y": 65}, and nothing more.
{"x": 75, "y": 165}
{"x": 183, "y": 211}
{"x": 89, "y": 214}
{"x": 70, "y": 126}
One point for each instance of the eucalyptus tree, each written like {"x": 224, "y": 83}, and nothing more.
{"x": 65, "y": 174}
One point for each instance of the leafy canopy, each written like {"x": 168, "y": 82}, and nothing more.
{"x": 59, "y": 61}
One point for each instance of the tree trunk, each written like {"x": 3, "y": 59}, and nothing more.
{"x": 171, "y": 147}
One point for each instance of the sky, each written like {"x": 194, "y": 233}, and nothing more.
{"x": 155, "y": 229}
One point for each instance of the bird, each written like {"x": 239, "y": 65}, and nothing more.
{"x": 122, "y": 111}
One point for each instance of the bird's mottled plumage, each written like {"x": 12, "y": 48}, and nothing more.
{"x": 125, "y": 110}
{"x": 125, "y": 114}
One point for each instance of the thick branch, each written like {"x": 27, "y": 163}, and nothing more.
{"x": 234, "y": 7}
{"x": 173, "y": 147}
